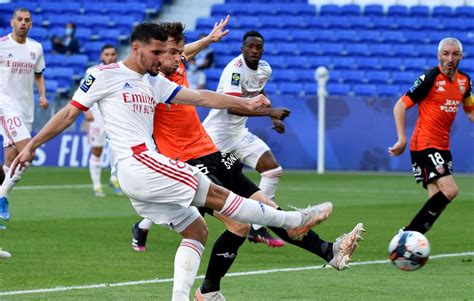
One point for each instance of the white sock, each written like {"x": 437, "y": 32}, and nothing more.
{"x": 95, "y": 170}
{"x": 10, "y": 182}
{"x": 186, "y": 265}
{"x": 256, "y": 227}
{"x": 251, "y": 211}
{"x": 269, "y": 181}
{"x": 145, "y": 224}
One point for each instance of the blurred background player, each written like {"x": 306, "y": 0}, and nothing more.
{"x": 246, "y": 76}
{"x": 96, "y": 133}
{"x": 21, "y": 64}
{"x": 439, "y": 93}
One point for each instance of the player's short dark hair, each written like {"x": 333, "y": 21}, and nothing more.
{"x": 107, "y": 46}
{"x": 175, "y": 30}
{"x": 22, "y": 9}
{"x": 252, "y": 33}
{"x": 146, "y": 31}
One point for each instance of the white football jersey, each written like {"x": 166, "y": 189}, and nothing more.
{"x": 98, "y": 121}
{"x": 239, "y": 80}
{"x": 18, "y": 65}
{"x": 126, "y": 103}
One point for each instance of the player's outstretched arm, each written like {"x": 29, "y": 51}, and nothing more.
{"x": 210, "y": 99}
{"x": 217, "y": 33}
{"x": 55, "y": 126}
{"x": 399, "y": 114}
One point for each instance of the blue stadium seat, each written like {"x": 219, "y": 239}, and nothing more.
{"x": 291, "y": 89}
{"x": 124, "y": 24}
{"x": 416, "y": 37}
{"x": 338, "y": 89}
{"x": 276, "y": 35}
{"x": 109, "y": 36}
{"x": 393, "y": 36}
{"x": 385, "y": 23}
{"x": 458, "y": 24}
{"x": 415, "y": 64}
{"x": 364, "y": 89}
{"x": 357, "y": 49}
{"x": 408, "y": 23}
{"x": 420, "y": 11}
{"x": 276, "y": 61}
{"x": 298, "y": 62}
{"x": 467, "y": 65}
{"x": 404, "y": 50}
{"x": 431, "y": 24}
{"x": 51, "y": 85}
{"x": 367, "y": 63}
{"x": 353, "y": 76}
{"x": 135, "y": 9}
{"x": 222, "y": 60}
{"x": 317, "y": 61}
{"x": 334, "y": 22}
{"x": 380, "y": 49}
{"x": 226, "y": 48}
{"x": 344, "y": 63}
{"x": 83, "y": 34}
{"x": 350, "y": 10}
{"x": 330, "y": 9}
{"x": 271, "y": 22}
{"x": 464, "y": 11}
{"x": 55, "y": 60}
{"x": 272, "y": 89}
{"x": 93, "y": 7}
{"x": 332, "y": 49}
{"x": 393, "y": 64}
{"x": 245, "y": 9}
{"x": 47, "y": 47}
{"x": 213, "y": 74}
{"x": 435, "y": 37}
{"x": 50, "y": 7}
{"x": 212, "y": 85}
{"x": 324, "y": 35}
{"x": 369, "y": 36}
{"x": 403, "y": 77}
{"x": 305, "y": 76}
{"x": 388, "y": 90}
{"x": 295, "y": 9}
{"x": 293, "y": 22}
{"x": 310, "y": 88}
{"x": 397, "y": 11}
{"x": 223, "y": 9}
{"x": 373, "y": 10}
{"x": 64, "y": 77}
{"x": 249, "y": 22}
{"x": 236, "y": 35}
{"x": 378, "y": 77}
{"x": 71, "y": 7}
{"x": 59, "y": 20}
{"x": 426, "y": 50}
{"x": 284, "y": 76}
{"x": 442, "y": 11}
{"x": 347, "y": 36}
{"x": 92, "y": 49}
{"x": 205, "y": 24}
{"x": 39, "y": 33}
{"x": 78, "y": 63}
{"x": 299, "y": 35}
{"x": 359, "y": 22}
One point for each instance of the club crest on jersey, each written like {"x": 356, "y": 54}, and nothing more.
{"x": 33, "y": 55}
{"x": 87, "y": 83}
{"x": 235, "y": 79}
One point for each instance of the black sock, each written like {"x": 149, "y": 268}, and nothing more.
{"x": 426, "y": 217}
{"x": 310, "y": 242}
{"x": 223, "y": 255}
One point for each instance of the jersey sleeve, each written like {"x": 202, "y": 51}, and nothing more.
{"x": 267, "y": 70}
{"x": 164, "y": 90}
{"x": 231, "y": 79}
{"x": 40, "y": 64}
{"x": 422, "y": 86}
{"x": 468, "y": 101}
{"x": 91, "y": 90}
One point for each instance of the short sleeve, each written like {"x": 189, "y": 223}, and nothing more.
{"x": 92, "y": 89}
{"x": 40, "y": 64}
{"x": 468, "y": 101}
{"x": 231, "y": 79}
{"x": 422, "y": 86}
{"x": 164, "y": 90}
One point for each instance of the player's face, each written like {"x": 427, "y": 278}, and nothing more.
{"x": 21, "y": 23}
{"x": 252, "y": 50}
{"x": 172, "y": 57}
{"x": 108, "y": 56}
{"x": 150, "y": 56}
{"x": 449, "y": 57}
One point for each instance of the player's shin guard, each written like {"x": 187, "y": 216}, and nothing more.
{"x": 426, "y": 217}
{"x": 223, "y": 255}
{"x": 95, "y": 170}
{"x": 186, "y": 265}
{"x": 10, "y": 181}
{"x": 269, "y": 181}
{"x": 251, "y": 211}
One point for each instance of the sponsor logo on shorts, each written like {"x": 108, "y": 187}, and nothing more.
{"x": 87, "y": 83}
{"x": 235, "y": 79}
{"x": 440, "y": 169}
{"x": 432, "y": 175}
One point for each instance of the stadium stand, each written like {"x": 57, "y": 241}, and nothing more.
{"x": 376, "y": 50}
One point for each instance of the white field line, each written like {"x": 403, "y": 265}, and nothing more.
{"x": 299, "y": 188}
{"x": 259, "y": 272}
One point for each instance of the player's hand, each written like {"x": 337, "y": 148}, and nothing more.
{"x": 23, "y": 160}
{"x": 279, "y": 113}
{"x": 278, "y": 126}
{"x": 43, "y": 102}
{"x": 398, "y": 148}
{"x": 258, "y": 101}
{"x": 218, "y": 31}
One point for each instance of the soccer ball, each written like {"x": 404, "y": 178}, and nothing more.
{"x": 409, "y": 250}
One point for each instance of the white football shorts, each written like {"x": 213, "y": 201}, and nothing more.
{"x": 163, "y": 190}
{"x": 13, "y": 129}
{"x": 246, "y": 146}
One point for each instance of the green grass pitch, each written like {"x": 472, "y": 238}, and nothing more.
{"x": 65, "y": 237}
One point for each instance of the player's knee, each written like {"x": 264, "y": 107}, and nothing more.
{"x": 451, "y": 192}
{"x": 273, "y": 173}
